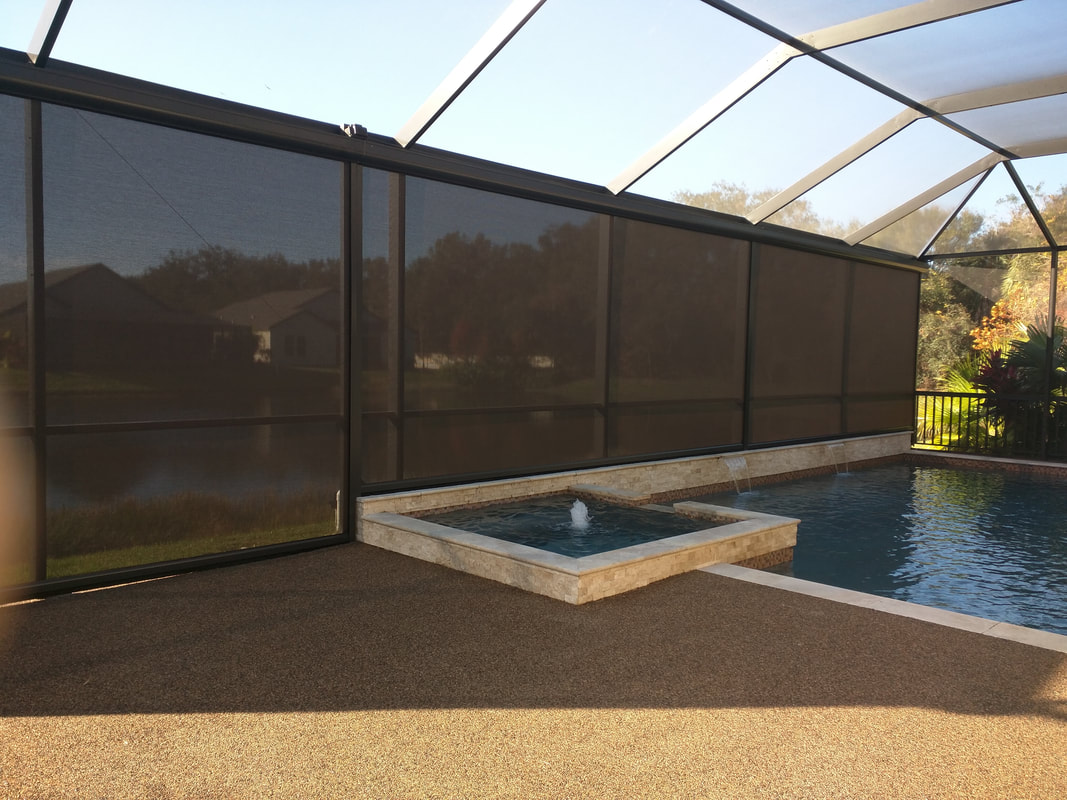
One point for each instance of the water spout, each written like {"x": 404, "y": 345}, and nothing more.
{"x": 838, "y": 457}
{"x": 738, "y": 468}
{"x": 579, "y": 515}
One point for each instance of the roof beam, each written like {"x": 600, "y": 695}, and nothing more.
{"x": 950, "y": 104}
{"x": 477, "y": 58}
{"x": 854, "y": 31}
{"x": 1028, "y": 198}
{"x": 897, "y": 19}
{"x": 704, "y": 116}
{"x": 48, "y": 27}
{"x": 854, "y": 74}
{"x": 955, "y": 213}
{"x": 835, "y": 164}
{"x": 983, "y": 164}
{"x": 1000, "y": 95}
{"x": 1031, "y": 150}
{"x": 1048, "y": 147}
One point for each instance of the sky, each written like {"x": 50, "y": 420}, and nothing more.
{"x": 582, "y": 91}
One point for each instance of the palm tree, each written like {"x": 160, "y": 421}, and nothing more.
{"x": 1018, "y": 385}
{"x": 1030, "y": 357}
{"x": 1041, "y": 366}
{"x": 954, "y": 421}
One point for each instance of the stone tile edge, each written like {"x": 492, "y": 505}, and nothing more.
{"x": 468, "y": 540}
{"x": 938, "y": 616}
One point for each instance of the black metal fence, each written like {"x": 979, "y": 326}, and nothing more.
{"x": 1017, "y": 426}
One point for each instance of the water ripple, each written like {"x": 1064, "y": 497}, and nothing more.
{"x": 982, "y": 543}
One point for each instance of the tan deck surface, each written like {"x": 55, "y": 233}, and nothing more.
{"x": 354, "y": 672}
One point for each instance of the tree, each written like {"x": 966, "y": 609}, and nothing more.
{"x": 1012, "y": 295}
{"x": 1029, "y": 356}
{"x": 205, "y": 280}
{"x": 944, "y": 338}
{"x": 739, "y": 200}
{"x": 965, "y": 232}
{"x": 996, "y": 330}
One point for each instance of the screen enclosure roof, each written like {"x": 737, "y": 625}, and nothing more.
{"x": 923, "y": 128}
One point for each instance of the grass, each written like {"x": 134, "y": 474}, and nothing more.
{"x": 129, "y": 522}
{"x": 136, "y": 555}
{"x": 20, "y": 571}
{"x": 130, "y": 532}
{"x": 72, "y": 382}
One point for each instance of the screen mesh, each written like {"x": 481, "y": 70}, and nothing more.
{"x": 187, "y": 276}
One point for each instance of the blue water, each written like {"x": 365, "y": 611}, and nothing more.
{"x": 545, "y": 523}
{"x": 984, "y": 543}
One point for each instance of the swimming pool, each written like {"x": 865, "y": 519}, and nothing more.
{"x": 990, "y": 544}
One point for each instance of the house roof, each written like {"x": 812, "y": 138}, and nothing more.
{"x": 13, "y": 295}
{"x": 264, "y": 312}
{"x": 146, "y": 308}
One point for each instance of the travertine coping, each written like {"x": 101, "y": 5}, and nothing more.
{"x": 747, "y": 535}
{"x": 888, "y": 605}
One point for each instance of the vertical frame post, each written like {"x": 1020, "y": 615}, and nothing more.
{"x": 609, "y": 228}
{"x": 352, "y": 341}
{"x": 915, "y": 360}
{"x": 750, "y": 345}
{"x": 397, "y": 345}
{"x": 1047, "y": 431}
{"x": 35, "y": 326}
{"x": 846, "y": 343}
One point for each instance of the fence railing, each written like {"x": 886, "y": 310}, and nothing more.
{"x": 1019, "y": 426}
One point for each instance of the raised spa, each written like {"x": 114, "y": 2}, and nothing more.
{"x": 581, "y": 546}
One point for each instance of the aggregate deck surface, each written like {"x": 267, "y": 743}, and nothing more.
{"x": 355, "y": 672}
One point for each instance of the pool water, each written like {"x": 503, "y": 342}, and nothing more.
{"x": 545, "y": 523}
{"x": 989, "y": 544}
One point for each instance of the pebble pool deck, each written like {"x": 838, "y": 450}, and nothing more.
{"x": 360, "y": 673}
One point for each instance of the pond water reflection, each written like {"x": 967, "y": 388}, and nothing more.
{"x": 235, "y": 461}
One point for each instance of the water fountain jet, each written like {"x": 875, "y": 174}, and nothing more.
{"x": 580, "y": 515}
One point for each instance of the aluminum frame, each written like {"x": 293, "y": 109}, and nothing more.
{"x": 811, "y": 43}
{"x": 980, "y": 167}
{"x": 952, "y": 104}
{"x": 50, "y": 24}
{"x": 477, "y": 58}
